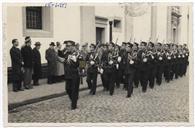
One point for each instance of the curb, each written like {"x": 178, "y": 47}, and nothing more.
{"x": 12, "y": 106}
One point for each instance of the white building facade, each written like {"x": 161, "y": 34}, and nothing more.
{"x": 92, "y": 23}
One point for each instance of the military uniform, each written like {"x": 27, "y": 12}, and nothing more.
{"x": 71, "y": 75}
{"x": 92, "y": 71}
{"x": 143, "y": 60}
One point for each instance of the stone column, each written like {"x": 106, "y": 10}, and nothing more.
{"x": 153, "y": 23}
{"x": 110, "y": 32}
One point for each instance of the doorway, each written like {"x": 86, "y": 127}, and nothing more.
{"x": 100, "y": 34}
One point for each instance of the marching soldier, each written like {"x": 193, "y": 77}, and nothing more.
{"x": 92, "y": 71}
{"x": 16, "y": 58}
{"x": 160, "y": 66}
{"x": 151, "y": 64}
{"x": 36, "y": 63}
{"x": 109, "y": 69}
{"x": 71, "y": 73}
{"x": 82, "y": 62}
{"x": 103, "y": 64}
{"x": 136, "y": 75}
{"x": 167, "y": 65}
{"x": 130, "y": 69}
{"x": 142, "y": 57}
{"x": 122, "y": 63}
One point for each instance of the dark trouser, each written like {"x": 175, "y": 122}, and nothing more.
{"x": 167, "y": 73}
{"x": 136, "y": 78}
{"x": 176, "y": 70}
{"x": 129, "y": 79}
{"x": 17, "y": 85}
{"x": 92, "y": 82}
{"x": 159, "y": 74}
{"x": 36, "y": 74}
{"x": 152, "y": 74}
{"x": 144, "y": 79}
{"x": 51, "y": 79}
{"x": 121, "y": 75}
{"x": 109, "y": 81}
{"x": 27, "y": 77}
{"x": 104, "y": 82}
{"x": 72, "y": 89}
{"x": 117, "y": 79}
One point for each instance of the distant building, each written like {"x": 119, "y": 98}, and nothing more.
{"x": 89, "y": 23}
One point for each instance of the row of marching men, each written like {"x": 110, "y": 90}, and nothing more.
{"x": 129, "y": 64}
{"x": 132, "y": 64}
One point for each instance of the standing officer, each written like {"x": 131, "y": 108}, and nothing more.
{"x": 71, "y": 73}
{"x": 16, "y": 59}
{"x": 92, "y": 71}
{"x": 36, "y": 63}
{"x": 143, "y": 60}
{"x": 27, "y": 56}
{"x": 51, "y": 57}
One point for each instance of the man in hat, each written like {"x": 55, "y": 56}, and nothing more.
{"x": 27, "y": 56}
{"x": 36, "y": 63}
{"x": 51, "y": 57}
{"x": 92, "y": 71}
{"x": 143, "y": 60}
{"x": 16, "y": 59}
{"x": 71, "y": 73}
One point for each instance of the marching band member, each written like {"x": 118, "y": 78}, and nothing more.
{"x": 143, "y": 66}
{"x": 71, "y": 73}
{"x": 152, "y": 64}
{"x": 92, "y": 71}
{"x": 130, "y": 69}
{"x": 160, "y": 56}
{"x": 135, "y": 49}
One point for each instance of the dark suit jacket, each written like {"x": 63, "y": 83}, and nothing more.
{"x": 27, "y": 56}
{"x": 16, "y": 59}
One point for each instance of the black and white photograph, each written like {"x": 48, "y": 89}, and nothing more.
{"x": 120, "y": 63}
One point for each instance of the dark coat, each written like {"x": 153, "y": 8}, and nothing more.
{"x": 70, "y": 69}
{"x": 27, "y": 56}
{"x": 36, "y": 62}
{"x": 129, "y": 68}
{"x": 16, "y": 59}
{"x": 51, "y": 57}
{"x": 92, "y": 68}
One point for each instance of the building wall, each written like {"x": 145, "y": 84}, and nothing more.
{"x": 112, "y": 12}
{"x": 142, "y": 26}
{"x": 161, "y": 24}
{"x": 66, "y": 26}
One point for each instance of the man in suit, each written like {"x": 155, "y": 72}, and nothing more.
{"x": 92, "y": 71}
{"x": 71, "y": 73}
{"x": 51, "y": 57}
{"x": 16, "y": 59}
{"x": 27, "y": 56}
{"x": 36, "y": 63}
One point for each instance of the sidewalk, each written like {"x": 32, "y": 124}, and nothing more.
{"x": 39, "y": 93}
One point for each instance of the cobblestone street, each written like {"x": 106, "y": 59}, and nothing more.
{"x": 166, "y": 103}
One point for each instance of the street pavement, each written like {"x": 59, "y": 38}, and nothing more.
{"x": 168, "y": 102}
